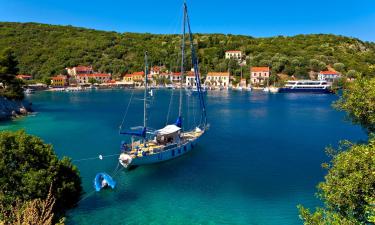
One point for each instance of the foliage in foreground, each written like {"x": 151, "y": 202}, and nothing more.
{"x": 358, "y": 100}
{"x": 34, "y": 212}
{"x": 27, "y": 169}
{"x": 11, "y": 87}
{"x": 348, "y": 191}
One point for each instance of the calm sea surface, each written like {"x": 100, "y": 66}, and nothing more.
{"x": 260, "y": 158}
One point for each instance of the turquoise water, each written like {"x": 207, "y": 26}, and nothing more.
{"x": 260, "y": 158}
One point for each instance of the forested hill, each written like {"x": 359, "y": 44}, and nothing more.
{"x": 44, "y": 50}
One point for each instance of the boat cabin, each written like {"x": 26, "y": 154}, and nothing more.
{"x": 167, "y": 135}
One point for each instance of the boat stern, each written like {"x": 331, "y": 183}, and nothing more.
{"x": 125, "y": 160}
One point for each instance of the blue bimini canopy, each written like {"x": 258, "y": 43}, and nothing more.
{"x": 139, "y": 133}
{"x": 103, "y": 180}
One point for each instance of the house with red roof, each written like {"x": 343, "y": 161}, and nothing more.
{"x": 259, "y": 75}
{"x": 233, "y": 54}
{"x": 156, "y": 70}
{"x": 190, "y": 80}
{"x": 175, "y": 77}
{"x": 136, "y": 78}
{"x": 74, "y": 71}
{"x": 217, "y": 79}
{"x": 59, "y": 81}
{"x": 328, "y": 75}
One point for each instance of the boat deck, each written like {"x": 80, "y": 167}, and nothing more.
{"x": 152, "y": 147}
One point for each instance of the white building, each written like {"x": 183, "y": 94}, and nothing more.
{"x": 99, "y": 77}
{"x": 217, "y": 79}
{"x": 156, "y": 70}
{"x": 175, "y": 77}
{"x": 233, "y": 55}
{"x": 190, "y": 80}
{"x": 74, "y": 71}
{"x": 259, "y": 75}
{"x": 328, "y": 76}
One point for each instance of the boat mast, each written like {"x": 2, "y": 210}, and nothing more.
{"x": 196, "y": 69}
{"x": 182, "y": 62}
{"x": 145, "y": 94}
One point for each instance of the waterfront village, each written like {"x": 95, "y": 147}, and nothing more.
{"x": 85, "y": 77}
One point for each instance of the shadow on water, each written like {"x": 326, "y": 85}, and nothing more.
{"x": 123, "y": 192}
{"x": 106, "y": 198}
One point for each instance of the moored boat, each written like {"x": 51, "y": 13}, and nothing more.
{"x": 29, "y": 91}
{"x": 273, "y": 89}
{"x": 103, "y": 180}
{"x": 306, "y": 86}
{"x": 148, "y": 146}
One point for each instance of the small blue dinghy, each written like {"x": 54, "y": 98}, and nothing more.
{"x": 103, "y": 180}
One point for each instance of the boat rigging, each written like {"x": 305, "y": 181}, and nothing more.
{"x": 171, "y": 141}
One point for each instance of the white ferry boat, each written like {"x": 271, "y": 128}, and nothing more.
{"x": 307, "y": 86}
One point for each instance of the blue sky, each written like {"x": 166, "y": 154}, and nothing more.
{"x": 355, "y": 18}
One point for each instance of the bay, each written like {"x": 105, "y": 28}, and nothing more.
{"x": 260, "y": 158}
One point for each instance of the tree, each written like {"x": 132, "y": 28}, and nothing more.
{"x": 93, "y": 80}
{"x": 27, "y": 169}
{"x": 339, "y": 67}
{"x": 316, "y": 65}
{"x": 52, "y": 48}
{"x": 352, "y": 73}
{"x": 349, "y": 187}
{"x": 358, "y": 100}
{"x": 348, "y": 191}
{"x": 8, "y": 69}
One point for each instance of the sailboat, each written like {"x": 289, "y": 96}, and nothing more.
{"x": 267, "y": 88}
{"x": 239, "y": 85}
{"x": 171, "y": 141}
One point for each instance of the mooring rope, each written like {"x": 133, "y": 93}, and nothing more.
{"x": 85, "y": 197}
{"x": 100, "y": 157}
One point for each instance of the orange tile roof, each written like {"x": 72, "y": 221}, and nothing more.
{"x": 58, "y": 77}
{"x": 22, "y": 76}
{"x": 176, "y": 74}
{"x": 139, "y": 73}
{"x": 260, "y": 69}
{"x": 233, "y": 51}
{"x": 83, "y": 68}
{"x": 190, "y": 74}
{"x": 221, "y": 74}
{"x": 157, "y": 68}
{"x": 328, "y": 72}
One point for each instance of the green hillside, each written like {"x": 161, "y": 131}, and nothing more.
{"x": 44, "y": 50}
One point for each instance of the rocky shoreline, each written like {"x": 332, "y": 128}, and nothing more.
{"x": 12, "y": 109}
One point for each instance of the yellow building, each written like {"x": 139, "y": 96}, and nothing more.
{"x": 59, "y": 81}
{"x": 136, "y": 78}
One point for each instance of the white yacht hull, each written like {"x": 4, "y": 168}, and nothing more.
{"x": 164, "y": 155}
